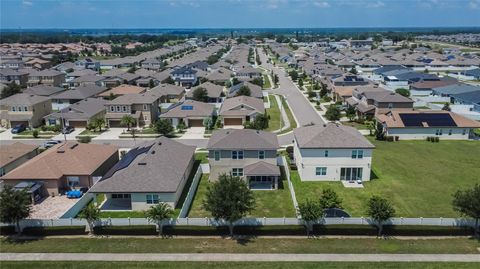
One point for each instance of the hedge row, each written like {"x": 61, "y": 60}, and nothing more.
{"x": 360, "y": 230}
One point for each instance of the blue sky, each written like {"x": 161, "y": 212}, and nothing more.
{"x": 237, "y": 13}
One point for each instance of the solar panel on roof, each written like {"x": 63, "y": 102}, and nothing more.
{"x": 126, "y": 160}
{"x": 432, "y": 119}
{"x": 187, "y": 107}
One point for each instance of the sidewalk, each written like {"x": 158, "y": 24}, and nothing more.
{"x": 228, "y": 257}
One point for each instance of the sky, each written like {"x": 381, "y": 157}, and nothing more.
{"x": 70, "y": 14}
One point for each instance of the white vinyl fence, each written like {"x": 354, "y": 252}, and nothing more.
{"x": 191, "y": 193}
{"x": 73, "y": 211}
{"x": 283, "y": 162}
{"x": 210, "y": 222}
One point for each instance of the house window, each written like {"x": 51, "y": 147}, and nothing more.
{"x": 14, "y": 109}
{"x": 124, "y": 108}
{"x": 152, "y": 199}
{"x": 357, "y": 154}
{"x": 320, "y": 171}
{"x": 237, "y": 172}
{"x": 439, "y": 132}
{"x": 450, "y": 132}
{"x": 118, "y": 108}
{"x": 261, "y": 154}
{"x": 121, "y": 196}
{"x": 145, "y": 118}
{"x": 326, "y": 153}
{"x": 464, "y": 131}
{"x": 73, "y": 181}
{"x": 216, "y": 155}
{"x": 390, "y": 105}
{"x": 145, "y": 107}
{"x": 25, "y": 108}
{"x": 112, "y": 109}
{"x": 237, "y": 154}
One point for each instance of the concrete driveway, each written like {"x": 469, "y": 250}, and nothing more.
{"x": 6, "y": 135}
{"x": 110, "y": 134}
{"x": 193, "y": 133}
{"x": 70, "y": 136}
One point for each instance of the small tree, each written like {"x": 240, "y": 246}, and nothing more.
{"x": 229, "y": 198}
{"x": 351, "y": 113}
{"x": 12, "y": 89}
{"x": 293, "y": 74}
{"x": 330, "y": 199}
{"x": 332, "y": 113}
{"x": 310, "y": 211}
{"x": 200, "y": 94}
{"x": 446, "y": 107}
{"x": 403, "y": 92}
{"x": 163, "y": 126}
{"x": 258, "y": 81}
{"x": 300, "y": 83}
{"x": 467, "y": 202}
{"x": 181, "y": 126}
{"x": 208, "y": 123}
{"x": 14, "y": 206}
{"x": 244, "y": 90}
{"x": 91, "y": 214}
{"x": 353, "y": 70}
{"x": 259, "y": 123}
{"x": 380, "y": 210}
{"x": 98, "y": 123}
{"x": 276, "y": 79}
{"x": 323, "y": 91}
{"x": 127, "y": 121}
{"x": 158, "y": 213}
{"x": 35, "y": 133}
{"x": 370, "y": 126}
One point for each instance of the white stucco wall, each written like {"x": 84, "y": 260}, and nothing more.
{"x": 139, "y": 200}
{"x": 423, "y": 133}
{"x": 307, "y": 160}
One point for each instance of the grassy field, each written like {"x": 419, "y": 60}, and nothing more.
{"x": 233, "y": 265}
{"x": 419, "y": 178}
{"x": 274, "y": 203}
{"x": 274, "y": 114}
{"x": 266, "y": 82}
{"x": 293, "y": 123}
{"x": 356, "y": 125}
{"x": 249, "y": 245}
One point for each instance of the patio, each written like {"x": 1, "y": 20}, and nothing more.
{"x": 116, "y": 205}
{"x": 52, "y": 207}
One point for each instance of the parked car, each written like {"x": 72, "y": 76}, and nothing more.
{"x": 68, "y": 129}
{"x": 51, "y": 143}
{"x": 19, "y": 128}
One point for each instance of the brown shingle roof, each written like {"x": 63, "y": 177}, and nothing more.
{"x": 10, "y": 153}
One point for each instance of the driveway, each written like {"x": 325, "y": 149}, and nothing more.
{"x": 6, "y": 135}
{"x": 193, "y": 133}
{"x": 110, "y": 134}
{"x": 70, "y": 136}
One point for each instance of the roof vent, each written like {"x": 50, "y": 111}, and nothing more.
{"x": 324, "y": 125}
{"x": 142, "y": 163}
{"x": 74, "y": 146}
{"x": 60, "y": 150}
{"x": 159, "y": 143}
{"x": 153, "y": 151}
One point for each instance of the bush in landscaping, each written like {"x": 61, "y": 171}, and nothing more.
{"x": 333, "y": 113}
{"x": 35, "y": 133}
{"x": 62, "y": 230}
{"x": 85, "y": 139}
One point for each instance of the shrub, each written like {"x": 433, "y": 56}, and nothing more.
{"x": 85, "y": 139}
{"x": 397, "y": 138}
{"x": 389, "y": 138}
{"x": 437, "y": 139}
{"x": 35, "y": 133}
{"x": 429, "y": 138}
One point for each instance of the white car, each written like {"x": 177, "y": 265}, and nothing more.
{"x": 51, "y": 143}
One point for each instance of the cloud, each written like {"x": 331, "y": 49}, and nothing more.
{"x": 321, "y": 4}
{"x": 27, "y": 3}
{"x": 376, "y": 4}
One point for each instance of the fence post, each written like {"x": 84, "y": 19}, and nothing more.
{"x": 284, "y": 220}
{"x": 343, "y": 220}
{"x": 401, "y": 220}
{"x": 110, "y": 221}
{"x": 361, "y": 218}
{"x": 129, "y": 222}
{"x": 51, "y": 222}
{"x": 264, "y": 221}
{"x": 187, "y": 220}
{"x": 421, "y": 220}
{"x": 206, "y": 221}
{"x": 71, "y": 221}
{"x": 441, "y": 221}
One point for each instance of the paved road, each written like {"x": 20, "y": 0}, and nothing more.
{"x": 301, "y": 108}
{"x": 228, "y": 257}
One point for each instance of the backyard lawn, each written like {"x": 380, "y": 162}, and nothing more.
{"x": 419, "y": 178}
{"x": 274, "y": 115}
{"x": 269, "y": 203}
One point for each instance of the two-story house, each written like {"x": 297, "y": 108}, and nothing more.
{"x": 184, "y": 76}
{"x": 246, "y": 153}
{"x": 25, "y": 109}
{"x": 142, "y": 107}
{"x": 370, "y": 100}
{"x": 8, "y": 76}
{"x": 152, "y": 64}
{"x": 332, "y": 152}
{"x": 47, "y": 77}
{"x": 68, "y": 97}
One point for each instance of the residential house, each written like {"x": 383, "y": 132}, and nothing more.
{"x": 151, "y": 173}
{"x": 14, "y": 155}
{"x": 418, "y": 125}
{"x": 241, "y": 109}
{"x": 25, "y": 109}
{"x": 191, "y": 113}
{"x": 8, "y": 76}
{"x": 88, "y": 80}
{"x": 169, "y": 93}
{"x": 152, "y": 64}
{"x": 65, "y": 166}
{"x": 425, "y": 88}
{"x": 255, "y": 90}
{"x": 38, "y": 63}
{"x": 246, "y": 153}
{"x": 220, "y": 75}
{"x": 68, "y": 97}
{"x": 12, "y": 64}
{"x": 47, "y": 77}
{"x": 248, "y": 73}
{"x": 121, "y": 90}
{"x": 214, "y": 92}
{"x": 43, "y": 90}
{"x": 78, "y": 114}
{"x": 332, "y": 152}
{"x": 87, "y": 63}
{"x": 184, "y": 76}
{"x": 143, "y": 107}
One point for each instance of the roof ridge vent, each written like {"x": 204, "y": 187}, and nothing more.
{"x": 142, "y": 163}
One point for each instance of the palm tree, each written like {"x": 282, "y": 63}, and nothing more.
{"x": 158, "y": 213}
{"x": 98, "y": 123}
{"x": 90, "y": 213}
{"x": 128, "y": 121}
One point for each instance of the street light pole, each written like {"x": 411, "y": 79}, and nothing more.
{"x": 63, "y": 125}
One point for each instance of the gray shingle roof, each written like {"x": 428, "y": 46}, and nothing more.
{"x": 247, "y": 139}
{"x": 43, "y": 90}
{"x": 81, "y": 92}
{"x": 23, "y": 99}
{"x": 254, "y": 105}
{"x": 330, "y": 135}
{"x": 261, "y": 168}
{"x": 213, "y": 90}
{"x": 82, "y": 110}
{"x": 199, "y": 109}
{"x": 155, "y": 166}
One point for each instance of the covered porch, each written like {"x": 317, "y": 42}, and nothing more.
{"x": 262, "y": 176}
{"x": 116, "y": 202}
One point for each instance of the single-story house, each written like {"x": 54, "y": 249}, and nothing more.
{"x": 79, "y": 114}
{"x": 255, "y": 90}
{"x": 191, "y": 112}
{"x": 14, "y": 155}
{"x": 238, "y": 110}
{"x": 169, "y": 93}
{"x": 214, "y": 92}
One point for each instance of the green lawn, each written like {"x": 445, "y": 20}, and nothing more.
{"x": 269, "y": 203}
{"x": 90, "y": 132}
{"x": 266, "y": 82}
{"x": 359, "y": 126}
{"x": 419, "y": 178}
{"x": 250, "y": 245}
{"x": 121, "y": 214}
{"x": 233, "y": 265}
{"x": 291, "y": 119}
{"x": 274, "y": 114}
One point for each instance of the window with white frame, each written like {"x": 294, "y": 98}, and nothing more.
{"x": 464, "y": 131}
{"x": 237, "y": 154}
{"x": 450, "y": 132}
{"x": 112, "y": 109}
{"x": 14, "y": 108}
{"x": 152, "y": 199}
{"x": 261, "y": 154}
{"x": 216, "y": 155}
{"x": 73, "y": 181}
{"x": 25, "y": 108}
{"x": 357, "y": 154}
{"x": 121, "y": 196}
{"x": 320, "y": 171}
{"x": 237, "y": 172}
{"x": 118, "y": 108}
{"x": 326, "y": 153}
{"x": 145, "y": 106}
{"x": 124, "y": 108}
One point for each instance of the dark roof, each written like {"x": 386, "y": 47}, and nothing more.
{"x": 80, "y": 92}
{"x": 330, "y": 135}
{"x": 472, "y": 97}
{"x": 154, "y": 166}
{"x": 183, "y": 70}
{"x": 431, "y": 119}
{"x": 43, "y": 90}
{"x": 246, "y": 139}
{"x": 81, "y": 110}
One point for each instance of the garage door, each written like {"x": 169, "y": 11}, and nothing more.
{"x": 77, "y": 124}
{"x": 15, "y": 123}
{"x": 114, "y": 124}
{"x": 195, "y": 123}
{"x": 232, "y": 121}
